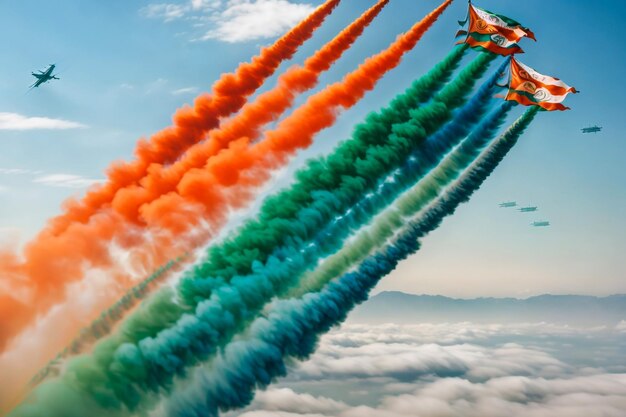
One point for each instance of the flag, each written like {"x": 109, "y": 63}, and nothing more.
{"x": 493, "y": 32}
{"x": 514, "y": 30}
{"x": 530, "y": 88}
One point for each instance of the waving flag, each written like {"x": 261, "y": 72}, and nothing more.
{"x": 530, "y": 88}
{"x": 493, "y": 32}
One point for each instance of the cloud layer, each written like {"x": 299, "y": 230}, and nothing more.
{"x": 66, "y": 180}
{"x": 602, "y": 395}
{"x": 447, "y": 370}
{"x": 233, "y": 20}
{"x": 53, "y": 180}
{"x": 15, "y": 121}
{"x": 245, "y": 20}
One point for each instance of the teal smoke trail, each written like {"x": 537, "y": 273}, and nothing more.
{"x": 114, "y": 378}
{"x": 292, "y": 327}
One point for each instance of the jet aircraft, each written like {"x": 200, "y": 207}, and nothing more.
{"x": 540, "y": 223}
{"x": 44, "y": 76}
{"x": 527, "y": 209}
{"x": 508, "y": 204}
{"x": 591, "y": 129}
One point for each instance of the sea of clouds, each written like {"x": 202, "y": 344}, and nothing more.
{"x": 454, "y": 370}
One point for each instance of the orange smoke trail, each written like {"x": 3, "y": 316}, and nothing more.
{"x": 248, "y": 123}
{"x": 265, "y": 108}
{"x": 103, "y": 226}
{"x": 203, "y": 185}
{"x": 56, "y": 252}
{"x": 229, "y": 179}
{"x": 190, "y": 124}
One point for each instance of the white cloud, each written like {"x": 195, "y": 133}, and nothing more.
{"x": 286, "y": 400}
{"x": 165, "y": 11}
{"x": 446, "y": 333}
{"x": 66, "y": 180}
{"x": 245, "y": 20}
{"x": 409, "y": 362}
{"x": 185, "y": 90}
{"x": 19, "y": 171}
{"x": 233, "y": 20}
{"x": 513, "y": 396}
{"x": 265, "y": 413}
{"x": 173, "y": 11}
{"x": 15, "y": 121}
{"x": 448, "y": 370}
{"x": 586, "y": 396}
{"x": 54, "y": 180}
{"x": 156, "y": 85}
{"x": 204, "y": 4}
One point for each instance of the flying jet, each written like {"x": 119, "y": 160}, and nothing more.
{"x": 591, "y": 129}
{"x": 527, "y": 209}
{"x": 508, "y": 204}
{"x": 540, "y": 223}
{"x": 44, "y": 76}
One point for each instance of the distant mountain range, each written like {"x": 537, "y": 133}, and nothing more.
{"x": 399, "y": 307}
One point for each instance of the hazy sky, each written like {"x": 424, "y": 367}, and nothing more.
{"x": 125, "y": 66}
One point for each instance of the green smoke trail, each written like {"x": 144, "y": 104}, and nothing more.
{"x": 422, "y": 160}
{"x": 387, "y": 224}
{"x": 291, "y": 328}
{"x": 354, "y": 168}
{"x": 330, "y": 186}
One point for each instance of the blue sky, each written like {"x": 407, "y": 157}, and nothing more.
{"x": 125, "y": 66}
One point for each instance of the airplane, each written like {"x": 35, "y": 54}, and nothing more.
{"x": 44, "y": 76}
{"x": 508, "y": 204}
{"x": 527, "y": 209}
{"x": 541, "y": 223}
{"x": 591, "y": 129}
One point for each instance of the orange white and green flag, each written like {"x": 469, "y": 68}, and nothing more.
{"x": 530, "y": 88}
{"x": 493, "y": 32}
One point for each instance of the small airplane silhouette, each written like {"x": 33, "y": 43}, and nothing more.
{"x": 527, "y": 209}
{"x": 540, "y": 223}
{"x": 508, "y": 204}
{"x": 591, "y": 129}
{"x": 44, "y": 76}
